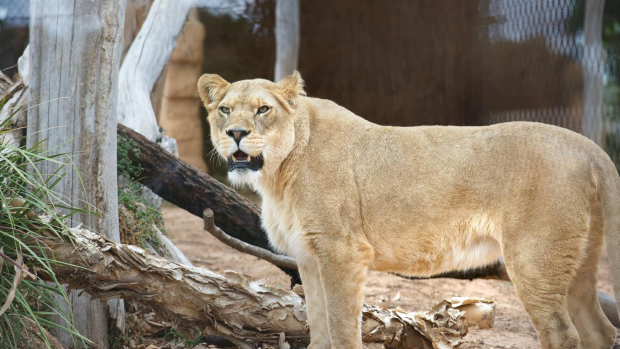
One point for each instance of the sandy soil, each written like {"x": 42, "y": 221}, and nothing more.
{"x": 513, "y": 328}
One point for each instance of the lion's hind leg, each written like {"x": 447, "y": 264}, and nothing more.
{"x": 542, "y": 280}
{"x": 595, "y": 330}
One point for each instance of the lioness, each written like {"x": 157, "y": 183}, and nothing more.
{"x": 343, "y": 195}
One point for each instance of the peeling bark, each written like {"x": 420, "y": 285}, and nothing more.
{"x": 237, "y": 307}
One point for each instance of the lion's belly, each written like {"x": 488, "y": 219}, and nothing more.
{"x": 442, "y": 260}
{"x": 465, "y": 244}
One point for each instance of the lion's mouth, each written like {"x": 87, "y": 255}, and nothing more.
{"x": 241, "y": 160}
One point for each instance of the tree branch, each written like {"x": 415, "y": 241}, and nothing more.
{"x": 275, "y": 259}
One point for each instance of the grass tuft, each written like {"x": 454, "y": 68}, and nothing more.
{"x": 137, "y": 218}
{"x": 29, "y": 305}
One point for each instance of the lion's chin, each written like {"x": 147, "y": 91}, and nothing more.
{"x": 244, "y": 176}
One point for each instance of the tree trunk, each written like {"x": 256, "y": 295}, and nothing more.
{"x": 135, "y": 16}
{"x": 74, "y": 60}
{"x": 245, "y": 311}
{"x": 287, "y": 37}
{"x": 180, "y": 104}
{"x": 143, "y": 66}
{"x": 145, "y": 62}
{"x": 593, "y": 66}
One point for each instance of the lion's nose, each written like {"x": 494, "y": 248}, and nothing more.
{"x": 237, "y": 135}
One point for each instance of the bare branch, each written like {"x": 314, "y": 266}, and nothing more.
{"x": 276, "y": 259}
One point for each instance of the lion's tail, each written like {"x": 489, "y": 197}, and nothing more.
{"x": 609, "y": 191}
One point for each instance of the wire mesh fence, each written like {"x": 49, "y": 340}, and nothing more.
{"x": 539, "y": 64}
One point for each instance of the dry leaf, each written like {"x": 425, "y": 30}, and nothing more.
{"x": 16, "y": 281}
{"x": 283, "y": 344}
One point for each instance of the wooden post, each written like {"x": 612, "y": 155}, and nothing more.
{"x": 75, "y": 55}
{"x": 287, "y": 37}
{"x": 593, "y": 65}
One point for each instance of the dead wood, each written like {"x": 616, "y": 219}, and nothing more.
{"x": 276, "y": 259}
{"x": 232, "y": 305}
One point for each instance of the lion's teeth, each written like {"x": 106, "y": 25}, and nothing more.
{"x": 234, "y": 158}
{"x": 249, "y": 158}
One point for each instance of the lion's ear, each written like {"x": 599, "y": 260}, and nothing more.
{"x": 210, "y": 87}
{"x": 290, "y": 87}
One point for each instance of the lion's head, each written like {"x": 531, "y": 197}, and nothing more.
{"x": 252, "y": 122}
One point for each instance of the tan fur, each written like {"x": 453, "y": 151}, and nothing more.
{"x": 343, "y": 195}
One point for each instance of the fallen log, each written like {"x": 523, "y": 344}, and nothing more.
{"x": 244, "y": 311}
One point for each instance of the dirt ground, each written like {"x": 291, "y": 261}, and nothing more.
{"x": 512, "y": 329}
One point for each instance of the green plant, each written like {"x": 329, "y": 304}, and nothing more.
{"x": 178, "y": 337}
{"x": 137, "y": 217}
{"x": 29, "y": 305}
{"x": 125, "y": 166}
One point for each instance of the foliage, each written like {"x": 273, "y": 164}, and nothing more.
{"x": 125, "y": 166}
{"x": 178, "y": 337}
{"x": 611, "y": 92}
{"x": 24, "y": 190}
{"x": 610, "y": 34}
{"x": 611, "y": 21}
{"x": 136, "y": 216}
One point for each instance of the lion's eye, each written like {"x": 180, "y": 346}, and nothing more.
{"x": 225, "y": 110}
{"x": 263, "y": 109}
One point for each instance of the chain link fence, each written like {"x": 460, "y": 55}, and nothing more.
{"x": 538, "y": 64}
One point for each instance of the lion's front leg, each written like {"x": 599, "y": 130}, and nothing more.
{"x": 315, "y": 305}
{"x": 343, "y": 268}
